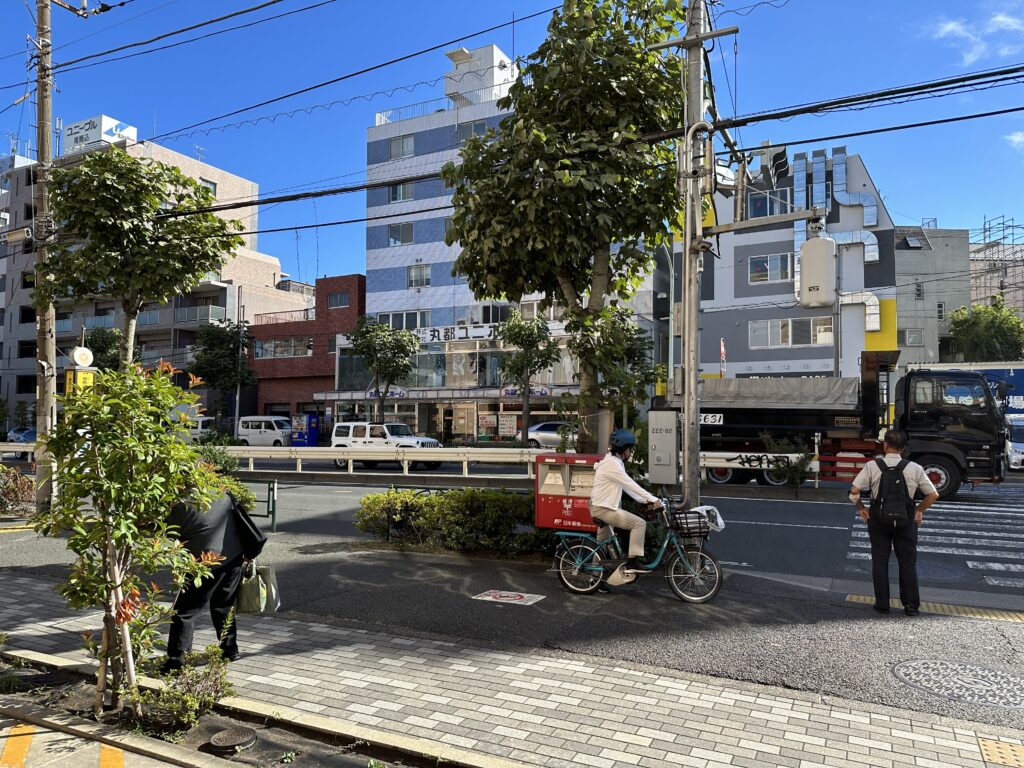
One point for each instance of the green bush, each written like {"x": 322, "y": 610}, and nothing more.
{"x": 463, "y": 520}
{"x": 17, "y": 492}
{"x": 187, "y": 694}
{"x": 245, "y": 498}
{"x": 215, "y": 454}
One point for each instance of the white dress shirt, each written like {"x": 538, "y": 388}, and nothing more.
{"x": 610, "y": 480}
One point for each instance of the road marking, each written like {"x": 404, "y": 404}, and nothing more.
{"x": 1001, "y": 581}
{"x": 16, "y": 746}
{"x": 858, "y": 555}
{"x": 733, "y": 564}
{"x": 16, "y": 528}
{"x": 939, "y": 526}
{"x": 948, "y": 609}
{"x": 111, "y": 757}
{"x": 1011, "y": 567}
{"x": 922, "y": 536}
{"x": 999, "y": 511}
{"x": 733, "y": 521}
{"x": 951, "y": 551}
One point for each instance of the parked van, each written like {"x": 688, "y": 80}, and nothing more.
{"x": 199, "y": 428}
{"x": 264, "y": 430}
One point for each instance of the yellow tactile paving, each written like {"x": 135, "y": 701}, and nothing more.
{"x": 111, "y": 757}
{"x": 1002, "y": 753}
{"x": 947, "y": 609}
{"x": 16, "y": 745}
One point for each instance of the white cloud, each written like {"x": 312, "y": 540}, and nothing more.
{"x": 1005, "y": 22}
{"x": 1016, "y": 140}
{"x": 972, "y": 45}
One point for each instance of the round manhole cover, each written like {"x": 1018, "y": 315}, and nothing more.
{"x": 939, "y": 572}
{"x": 232, "y": 740}
{"x": 964, "y": 682}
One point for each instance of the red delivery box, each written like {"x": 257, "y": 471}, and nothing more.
{"x": 563, "y": 485}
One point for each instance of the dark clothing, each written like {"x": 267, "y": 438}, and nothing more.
{"x": 220, "y": 590}
{"x": 215, "y": 530}
{"x": 884, "y": 539}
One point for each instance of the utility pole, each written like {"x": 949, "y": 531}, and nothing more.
{"x": 46, "y": 346}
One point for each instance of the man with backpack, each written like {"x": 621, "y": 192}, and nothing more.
{"x": 893, "y": 518}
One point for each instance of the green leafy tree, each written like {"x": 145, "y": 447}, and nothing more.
{"x": 389, "y": 355}
{"x": 105, "y": 344}
{"x": 122, "y": 467}
{"x": 221, "y": 357}
{"x": 540, "y": 203}
{"x": 985, "y": 333}
{"x": 129, "y": 231}
{"x": 533, "y": 351}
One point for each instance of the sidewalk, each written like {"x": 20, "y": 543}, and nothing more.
{"x": 534, "y": 708}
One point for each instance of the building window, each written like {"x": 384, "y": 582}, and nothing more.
{"x": 26, "y": 315}
{"x": 270, "y": 348}
{"x": 919, "y": 291}
{"x": 770, "y": 203}
{"x": 401, "y": 146}
{"x": 400, "y": 234}
{"x": 419, "y": 275}
{"x": 492, "y": 314}
{"x": 447, "y": 224}
{"x": 337, "y": 300}
{"x": 798, "y": 332}
{"x": 407, "y": 321}
{"x": 30, "y": 213}
{"x": 25, "y": 385}
{"x": 210, "y": 185}
{"x": 399, "y": 192}
{"x": 770, "y": 269}
{"x": 332, "y": 344}
{"x": 940, "y": 310}
{"x": 466, "y": 131}
{"x": 912, "y": 337}
{"x": 28, "y": 279}
{"x": 26, "y": 349}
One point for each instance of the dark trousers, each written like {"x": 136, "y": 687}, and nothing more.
{"x": 883, "y": 541}
{"x": 220, "y": 590}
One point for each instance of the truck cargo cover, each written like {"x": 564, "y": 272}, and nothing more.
{"x": 809, "y": 394}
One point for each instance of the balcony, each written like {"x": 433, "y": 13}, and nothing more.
{"x": 199, "y": 314}
{"x": 149, "y": 317}
{"x": 63, "y": 325}
{"x": 179, "y": 356}
{"x": 483, "y": 95}
{"x": 288, "y": 316}
{"x": 104, "y": 321}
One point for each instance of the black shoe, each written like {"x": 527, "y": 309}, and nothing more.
{"x": 880, "y": 608}
{"x": 170, "y": 666}
{"x": 911, "y": 610}
{"x": 604, "y": 589}
{"x": 233, "y": 656}
{"x": 633, "y": 564}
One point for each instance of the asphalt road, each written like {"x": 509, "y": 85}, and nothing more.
{"x": 782, "y": 617}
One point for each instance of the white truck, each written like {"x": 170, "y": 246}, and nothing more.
{"x": 365, "y": 434}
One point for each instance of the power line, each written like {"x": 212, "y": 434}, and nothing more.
{"x": 746, "y": 10}
{"x": 66, "y": 68}
{"x": 356, "y": 73}
{"x": 165, "y": 35}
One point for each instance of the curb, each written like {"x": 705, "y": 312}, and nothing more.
{"x": 107, "y": 734}
{"x": 439, "y": 752}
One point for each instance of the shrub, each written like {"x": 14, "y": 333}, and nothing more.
{"x": 245, "y": 498}
{"x": 187, "y": 694}
{"x": 17, "y": 492}
{"x": 215, "y": 454}
{"x": 394, "y": 514}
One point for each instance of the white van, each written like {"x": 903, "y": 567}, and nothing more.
{"x": 199, "y": 428}
{"x": 264, "y": 430}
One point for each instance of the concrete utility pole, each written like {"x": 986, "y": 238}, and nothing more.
{"x": 46, "y": 345}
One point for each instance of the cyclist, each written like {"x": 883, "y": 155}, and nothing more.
{"x": 610, "y": 480}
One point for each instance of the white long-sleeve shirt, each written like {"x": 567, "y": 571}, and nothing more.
{"x": 610, "y": 480}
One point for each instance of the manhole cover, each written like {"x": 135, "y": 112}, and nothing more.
{"x": 964, "y": 682}
{"x": 940, "y": 572}
{"x": 232, "y": 740}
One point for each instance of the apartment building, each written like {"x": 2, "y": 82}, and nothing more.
{"x": 246, "y": 285}
{"x": 294, "y": 352}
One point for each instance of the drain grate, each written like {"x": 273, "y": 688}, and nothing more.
{"x": 963, "y": 682}
{"x": 1001, "y": 753}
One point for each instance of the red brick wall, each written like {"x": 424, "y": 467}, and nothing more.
{"x": 294, "y": 379}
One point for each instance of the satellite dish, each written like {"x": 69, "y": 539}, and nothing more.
{"x": 82, "y": 356}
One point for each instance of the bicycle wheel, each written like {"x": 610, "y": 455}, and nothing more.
{"x": 579, "y": 567}
{"x": 696, "y": 579}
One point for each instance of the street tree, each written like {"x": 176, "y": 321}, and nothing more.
{"x": 122, "y": 466}
{"x": 388, "y": 353}
{"x": 566, "y": 198}
{"x": 105, "y": 344}
{"x": 129, "y": 231}
{"x": 221, "y": 357}
{"x": 987, "y": 332}
{"x": 532, "y": 352}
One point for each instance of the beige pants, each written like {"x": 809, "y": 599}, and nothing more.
{"x": 620, "y": 518}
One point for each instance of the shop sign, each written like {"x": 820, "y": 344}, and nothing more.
{"x": 534, "y": 392}
{"x": 488, "y": 420}
{"x": 507, "y": 425}
{"x": 394, "y": 393}
{"x": 455, "y": 333}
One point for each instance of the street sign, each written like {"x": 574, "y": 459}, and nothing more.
{"x": 515, "y": 598}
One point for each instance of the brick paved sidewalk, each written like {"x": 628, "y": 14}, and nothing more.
{"x": 536, "y": 708}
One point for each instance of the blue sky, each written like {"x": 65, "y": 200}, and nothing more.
{"x": 803, "y": 51}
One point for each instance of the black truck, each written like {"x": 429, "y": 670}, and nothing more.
{"x": 954, "y": 419}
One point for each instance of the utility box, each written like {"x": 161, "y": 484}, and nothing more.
{"x": 562, "y": 492}
{"x": 306, "y": 429}
{"x": 663, "y": 446}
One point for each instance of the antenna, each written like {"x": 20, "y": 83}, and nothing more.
{"x": 200, "y": 152}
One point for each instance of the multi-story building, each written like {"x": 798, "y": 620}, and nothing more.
{"x": 294, "y": 352}
{"x": 749, "y": 304}
{"x": 246, "y": 285}
{"x": 997, "y": 269}
{"x": 932, "y": 280}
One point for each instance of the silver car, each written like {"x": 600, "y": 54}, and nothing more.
{"x": 548, "y": 434}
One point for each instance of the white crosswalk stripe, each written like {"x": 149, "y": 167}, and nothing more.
{"x": 982, "y": 532}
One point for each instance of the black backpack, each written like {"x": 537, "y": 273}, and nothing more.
{"x": 252, "y": 538}
{"x": 893, "y": 507}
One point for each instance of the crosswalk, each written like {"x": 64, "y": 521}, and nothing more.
{"x": 981, "y": 532}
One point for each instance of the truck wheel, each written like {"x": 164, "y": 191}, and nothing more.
{"x": 771, "y": 477}
{"x": 943, "y": 473}
{"x": 719, "y": 475}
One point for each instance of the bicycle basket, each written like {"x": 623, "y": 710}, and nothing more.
{"x": 689, "y": 523}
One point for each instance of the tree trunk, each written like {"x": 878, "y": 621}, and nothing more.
{"x": 589, "y": 411}
{"x": 525, "y": 387}
{"x": 106, "y": 645}
{"x": 382, "y": 399}
{"x": 131, "y": 318}
{"x": 127, "y": 657}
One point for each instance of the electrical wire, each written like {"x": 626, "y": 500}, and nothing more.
{"x": 746, "y": 10}
{"x": 356, "y": 73}
{"x": 63, "y": 68}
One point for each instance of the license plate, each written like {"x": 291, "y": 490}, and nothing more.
{"x": 712, "y": 418}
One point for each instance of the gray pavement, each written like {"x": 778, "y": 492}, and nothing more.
{"x": 24, "y": 745}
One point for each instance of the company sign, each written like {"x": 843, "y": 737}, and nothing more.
{"x": 394, "y": 393}
{"x": 84, "y": 134}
